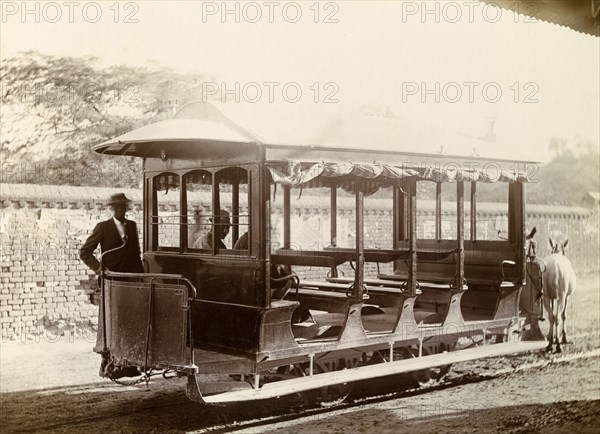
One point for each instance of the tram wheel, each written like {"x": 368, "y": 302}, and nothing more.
{"x": 435, "y": 374}
{"x": 330, "y": 396}
{"x": 335, "y": 394}
{"x": 327, "y": 396}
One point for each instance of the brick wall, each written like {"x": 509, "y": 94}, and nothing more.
{"x": 43, "y": 282}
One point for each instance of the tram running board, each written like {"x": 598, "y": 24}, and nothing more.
{"x": 287, "y": 387}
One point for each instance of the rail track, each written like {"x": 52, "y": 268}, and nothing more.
{"x": 165, "y": 407}
{"x": 543, "y": 360}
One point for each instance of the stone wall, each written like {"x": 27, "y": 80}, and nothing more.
{"x": 44, "y": 283}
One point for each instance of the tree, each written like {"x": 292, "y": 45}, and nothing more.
{"x": 573, "y": 171}
{"x": 55, "y": 108}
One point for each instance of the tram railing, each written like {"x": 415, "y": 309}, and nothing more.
{"x": 147, "y": 320}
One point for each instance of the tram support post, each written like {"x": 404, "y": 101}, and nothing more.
{"x": 353, "y": 327}
{"x": 357, "y": 293}
{"x": 457, "y": 285}
{"x": 406, "y": 326}
{"x": 412, "y": 240}
{"x": 333, "y": 223}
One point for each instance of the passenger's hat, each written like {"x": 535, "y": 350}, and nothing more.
{"x": 222, "y": 218}
{"x": 118, "y": 199}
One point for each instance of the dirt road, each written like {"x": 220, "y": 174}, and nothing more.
{"x": 54, "y": 387}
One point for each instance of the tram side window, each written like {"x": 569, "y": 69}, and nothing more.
{"x": 198, "y": 185}
{"x": 233, "y": 199}
{"x": 426, "y": 222}
{"x": 378, "y": 219}
{"x": 492, "y": 211}
{"x": 309, "y": 220}
{"x": 166, "y": 218}
{"x": 448, "y": 215}
{"x": 345, "y": 220}
{"x": 218, "y": 217}
{"x": 440, "y": 224}
{"x": 309, "y": 224}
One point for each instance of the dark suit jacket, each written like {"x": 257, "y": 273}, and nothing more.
{"x": 107, "y": 235}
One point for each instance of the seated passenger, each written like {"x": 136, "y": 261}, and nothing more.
{"x": 221, "y": 227}
{"x": 195, "y": 228}
{"x": 242, "y": 242}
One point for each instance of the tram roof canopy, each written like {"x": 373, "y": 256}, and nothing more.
{"x": 201, "y": 128}
{"x": 182, "y": 130}
{"x": 297, "y": 174}
{"x": 208, "y": 128}
{"x": 580, "y": 15}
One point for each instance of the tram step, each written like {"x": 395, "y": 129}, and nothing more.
{"x": 286, "y": 387}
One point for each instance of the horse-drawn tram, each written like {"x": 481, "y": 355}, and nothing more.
{"x": 251, "y": 299}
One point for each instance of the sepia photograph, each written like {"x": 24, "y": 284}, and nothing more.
{"x": 300, "y": 216}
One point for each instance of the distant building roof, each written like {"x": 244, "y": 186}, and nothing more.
{"x": 594, "y": 195}
{"x": 591, "y": 199}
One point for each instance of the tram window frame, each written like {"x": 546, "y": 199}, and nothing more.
{"x": 186, "y": 212}
{"x": 430, "y": 191}
{"x": 378, "y": 218}
{"x": 472, "y": 193}
{"x": 216, "y": 180}
{"x": 155, "y": 218}
{"x": 448, "y": 218}
{"x": 508, "y": 210}
{"x": 234, "y": 218}
{"x": 183, "y": 217}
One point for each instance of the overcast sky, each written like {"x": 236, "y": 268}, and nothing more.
{"x": 375, "y": 54}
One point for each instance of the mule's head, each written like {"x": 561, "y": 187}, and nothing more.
{"x": 531, "y": 244}
{"x": 556, "y": 247}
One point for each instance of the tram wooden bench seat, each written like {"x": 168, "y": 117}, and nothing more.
{"x": 442, "y": 280}
{"x": 436, "y": 281}
{"x": 313, "y": 293}
{"x": 372, "y": 285}
{"x": 344, "y": 284}
{"x": 434, "y": 295}
{"x": 332, "y": 297}
{"x": 334, "y": 256}
{"x": 311, "y": 258}
{"x": 331, "y": 300}
{"x": 369, "y": 282}
{"x": 324, "y": 285}
{"x": 389, "y": 255}
{"x": 375, "y": 285}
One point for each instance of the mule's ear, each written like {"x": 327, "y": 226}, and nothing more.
{"x": 551, "y": 242}
{"x": 565, "y": 243}
{"x": 533, "y": 231}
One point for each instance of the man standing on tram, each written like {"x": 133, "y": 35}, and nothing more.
{"x": 110, "y": 234}
{"x": 120, "y": 235}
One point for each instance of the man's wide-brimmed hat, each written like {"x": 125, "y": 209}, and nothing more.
{"x": 117, "y": 199}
